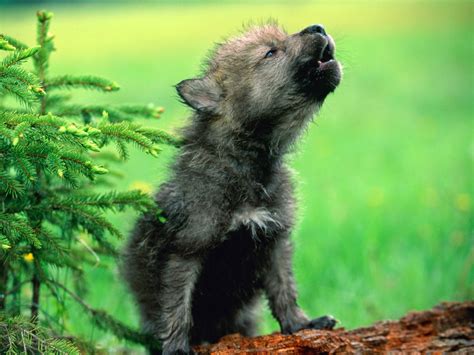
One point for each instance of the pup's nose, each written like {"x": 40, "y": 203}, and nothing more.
{"x": 314, "y": 29}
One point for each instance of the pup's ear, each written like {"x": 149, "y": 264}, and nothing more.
{"x": 201, "y": 94}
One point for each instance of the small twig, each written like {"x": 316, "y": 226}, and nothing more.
{"x": 94, "y": 254}
{"x": 72, "y": 294}
{"x": 24, "y": 343}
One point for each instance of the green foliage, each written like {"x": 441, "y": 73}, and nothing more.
{"x": 53, "y": 154}
{"x": 84, "y": 81}
{"x": 18, "y": 335}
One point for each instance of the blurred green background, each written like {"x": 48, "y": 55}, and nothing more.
{"x": 385, "y": 174}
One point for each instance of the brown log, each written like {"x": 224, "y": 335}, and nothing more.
{"x": 447, "y": 327}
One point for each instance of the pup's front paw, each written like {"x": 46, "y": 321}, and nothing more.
{"x": 324, "y": 322}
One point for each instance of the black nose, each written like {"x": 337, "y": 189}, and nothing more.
{"x": 314, "y": 29}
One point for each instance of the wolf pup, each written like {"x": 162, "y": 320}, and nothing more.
{"x": 228, "y": 205}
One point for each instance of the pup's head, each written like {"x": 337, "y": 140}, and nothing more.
{"x": 266, "y": 75}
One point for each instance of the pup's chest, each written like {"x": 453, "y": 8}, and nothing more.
{"x": 257, "y": 220}
{"x": 259, "y": 208}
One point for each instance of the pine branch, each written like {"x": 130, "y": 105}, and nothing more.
{"x": 45, "y": 42}
{"x": 114, "y": 201}
{"x": 19, "y": 56}
{"x": 122, "y": 150}
{"x": 5, "y": 134}
{"x": 107, "y": 322}
{"x": 20, "y": 84}
{"x": 5, "y": 45}
{"x": 13, "y": 119}
{"x": 16, "y": 229}
{"x": 93, "y": 222}
{"x": 15, "y": 75}
{"x": 143, "y": 111}
{"x": 18, "y": 90}
{"x": 23, "y": 166}
{"x": 129, "y": 133}
{"x": 18, "y": 335}
{"x": 160, "y": 136}
{"x": 73, "y": 162}
{"x": 41, "y": 58}
{"x": 84, "y": 81}
{"x": 16, "y": 44}
{"x": 53, "y": 250}
{"x": 115, "y": 114}
{"x": 10, "y": 186}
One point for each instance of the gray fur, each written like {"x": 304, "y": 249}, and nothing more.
{"x": 229, "y": 202}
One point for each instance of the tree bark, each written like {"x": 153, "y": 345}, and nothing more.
{"x": 447, "y": 327}
{"x": 3, "y": 283}
{"x": 35, "y": 299}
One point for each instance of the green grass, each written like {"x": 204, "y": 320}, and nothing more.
{"x": 385, "y": 175}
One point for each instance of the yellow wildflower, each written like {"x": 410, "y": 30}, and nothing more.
{"x": 462, "y": 202}
{"x": 143, "y": 186}
{"x": 28, "y": 257}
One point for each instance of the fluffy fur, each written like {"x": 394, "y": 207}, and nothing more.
{"x": 229, "y": 202}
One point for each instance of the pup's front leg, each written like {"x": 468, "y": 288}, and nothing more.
{"x": 281, "y": 292}
{"x": 179, "y": 278}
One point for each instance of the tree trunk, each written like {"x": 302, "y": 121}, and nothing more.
{"x": 3, "y": 283}
{"x": 447, "y": 327}
{"x": 35, "y": 299}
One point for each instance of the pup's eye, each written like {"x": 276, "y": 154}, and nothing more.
{"x": 271, "y": 53}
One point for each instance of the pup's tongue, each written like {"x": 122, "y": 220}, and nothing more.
{"x": 323, "y": 64}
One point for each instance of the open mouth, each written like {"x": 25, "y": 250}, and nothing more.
{"x": 327, "y": 55}
{"x": 321, "y": 73}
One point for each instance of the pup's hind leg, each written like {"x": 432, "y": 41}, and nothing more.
{"x": 209, "y": 326}
{"x": 246, "y": 320}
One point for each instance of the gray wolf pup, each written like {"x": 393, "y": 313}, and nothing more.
{"x": 229, "y": 204}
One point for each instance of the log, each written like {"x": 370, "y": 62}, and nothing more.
{"x": 445, "y": 328}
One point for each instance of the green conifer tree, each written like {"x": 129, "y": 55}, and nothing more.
{"x": 51, "y": 160}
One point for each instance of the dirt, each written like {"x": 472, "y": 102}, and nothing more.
{"x": 447, "y": 327}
